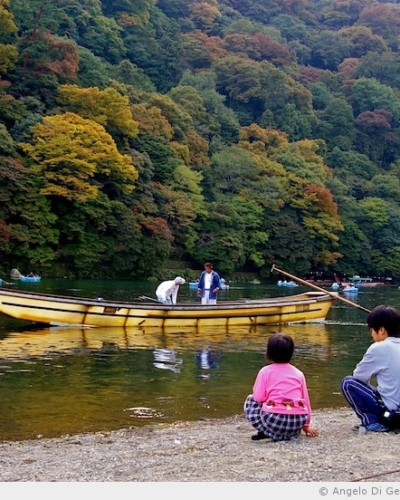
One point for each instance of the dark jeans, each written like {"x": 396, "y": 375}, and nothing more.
{"x": 364, "y": 399}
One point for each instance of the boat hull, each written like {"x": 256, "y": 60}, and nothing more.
{"x": 64, "y": 310}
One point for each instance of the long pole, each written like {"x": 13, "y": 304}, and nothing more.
{"x": 311, "y": 285}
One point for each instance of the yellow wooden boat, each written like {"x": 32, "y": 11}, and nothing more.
{"x": 64, "y": 310}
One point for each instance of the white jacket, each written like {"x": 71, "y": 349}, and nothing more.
{"x": 169, "y": 289}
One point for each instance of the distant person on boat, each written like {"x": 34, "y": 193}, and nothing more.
{"x": 31, "y": 275}
{"x": 279, "y": 407}
{"x": 209, "y": 285}
{"x": 375, "y": 406}
{"x": 167, "y": 291}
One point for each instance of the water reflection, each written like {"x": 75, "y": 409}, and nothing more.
{"x": 207, "y": 361}
{"x": 55, "y": 381}
{"x": 167, "y": 359}
{"x": 54, "y": 342}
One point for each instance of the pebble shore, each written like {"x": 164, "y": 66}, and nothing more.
{"x": 207, "y": 451}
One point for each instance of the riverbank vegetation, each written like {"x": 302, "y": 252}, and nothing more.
{"x": 244, "y": 133}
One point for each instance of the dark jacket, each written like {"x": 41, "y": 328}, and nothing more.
{"x": 215, "y": 283}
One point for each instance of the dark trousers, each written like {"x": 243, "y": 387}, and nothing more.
{"x": 364, "y": 399}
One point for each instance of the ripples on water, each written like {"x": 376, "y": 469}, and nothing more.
{"x": 59, "y": 381}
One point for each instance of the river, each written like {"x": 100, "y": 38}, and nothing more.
{"x": 62, "y": 381}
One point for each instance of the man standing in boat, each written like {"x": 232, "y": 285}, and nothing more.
{"x": 167, "y": 291}
{"x": 209, "y": 285}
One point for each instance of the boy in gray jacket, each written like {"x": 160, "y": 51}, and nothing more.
{"x": 375, "y": 405}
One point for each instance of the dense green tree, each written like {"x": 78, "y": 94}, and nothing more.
{"x": 354, "y": 170}
{"x": 155, "y": 47}
{"x": 321, "y": 95}
{"x": 329, "y": 49}
{"x": 130, "y": 74}
{"x": 222, "y": 121}
{"x": 93, "y": 71}
{"x": 355, "y": 249}
{"x": 98, "y": 237}
{"x": 336, "y": 124}
{"x": 291, "y": 28}
{"x": 383, "y": 67}
{"x": 367, "y": 94}
{"x": 160, "y": 154}
{"x": 289, "y": 245}
{"x": 222, "y": 233}
{"x": 7, "y": 144}
{"x": 28, "y": 233}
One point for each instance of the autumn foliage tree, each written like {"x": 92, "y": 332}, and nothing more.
{"x": 76, "y": 159}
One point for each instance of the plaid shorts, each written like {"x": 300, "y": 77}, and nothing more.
{"x": 278, "y": 426}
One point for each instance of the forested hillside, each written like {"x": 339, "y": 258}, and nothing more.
{"x": 243, "y": 132}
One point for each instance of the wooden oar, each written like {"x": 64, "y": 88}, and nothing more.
{"x": 144, "y": 297}
{"x": 311, "y": 285}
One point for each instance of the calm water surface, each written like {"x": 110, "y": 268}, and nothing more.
{"x": 61, "y": 381}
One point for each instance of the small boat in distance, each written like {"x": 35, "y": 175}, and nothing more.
{"x": 290, "y": 284}
{"x": 30, "y": 279}
{"x": 64, "y": 310}
{"x": 16, "y": 275}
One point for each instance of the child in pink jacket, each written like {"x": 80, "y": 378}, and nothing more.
{"x": 279, "y": 407}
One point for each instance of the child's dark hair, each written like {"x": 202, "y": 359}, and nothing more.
{"x": 387, "y": 317}
{"x": 280, "y": 348}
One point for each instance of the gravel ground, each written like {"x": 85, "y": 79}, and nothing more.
{"x": 207, "y": 451}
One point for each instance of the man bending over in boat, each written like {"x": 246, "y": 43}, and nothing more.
{"x": 167, "y": 291}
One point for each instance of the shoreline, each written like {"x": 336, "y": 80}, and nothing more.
{"x": 213, "y": 450}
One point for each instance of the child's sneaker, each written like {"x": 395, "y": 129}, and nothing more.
{"x": 376, "y": 427}
{"x": 258, "y": 436}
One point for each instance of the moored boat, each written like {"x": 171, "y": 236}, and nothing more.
{"x": 30, "y": 279}
{"x": 289, "y": 284}
{"x": 64, "y": 310}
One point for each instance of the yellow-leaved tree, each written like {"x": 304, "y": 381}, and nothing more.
{"x": 77, "y": 158}
{"x": 8, "y": 51}
{"x": 107, "y": 107}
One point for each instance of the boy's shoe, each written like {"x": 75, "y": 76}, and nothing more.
{"x": 376, "y": 427}
{"x": 258, "y": 436}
